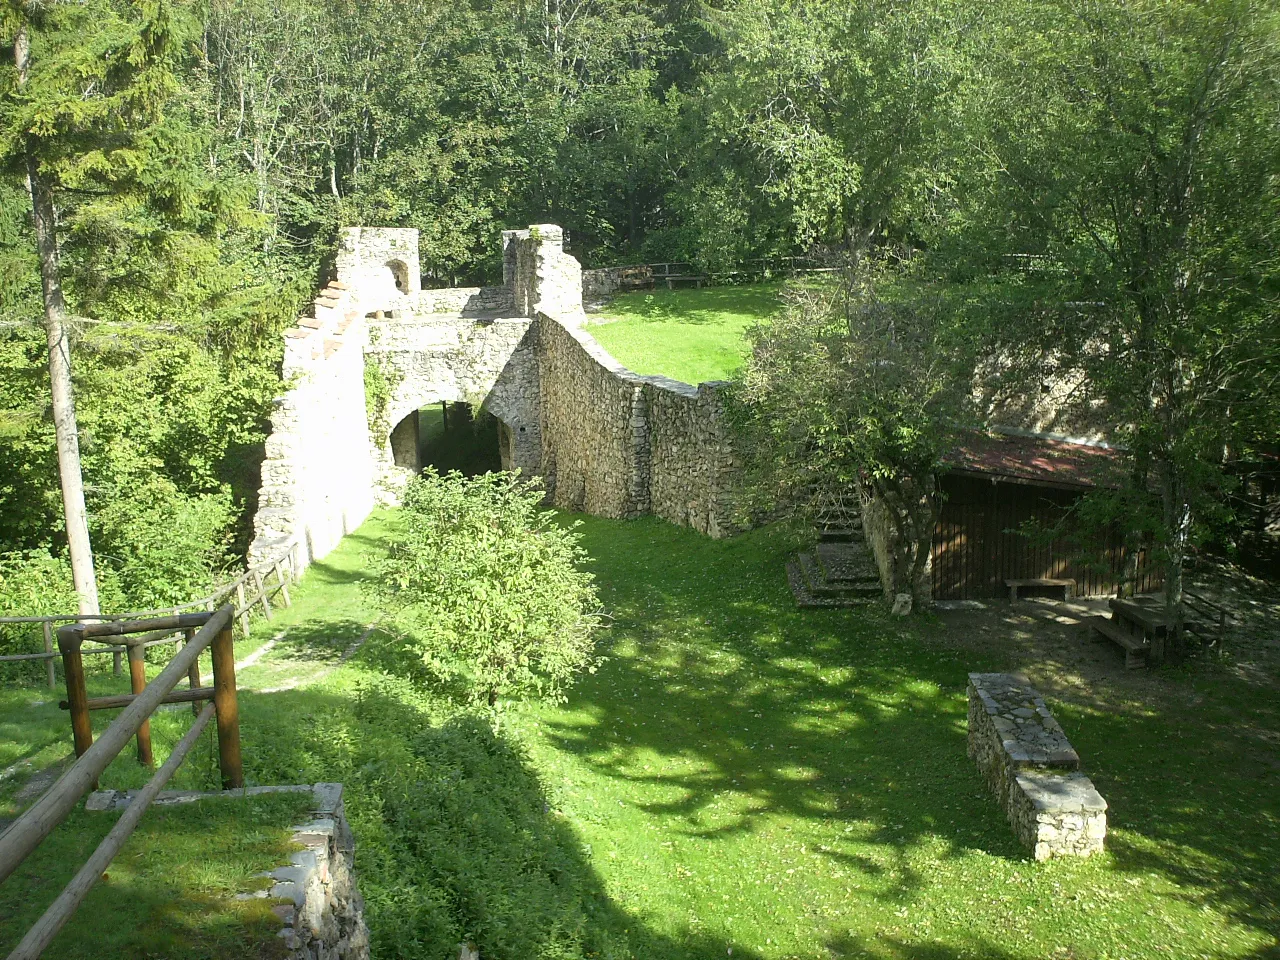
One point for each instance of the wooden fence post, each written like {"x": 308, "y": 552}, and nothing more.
{"x": 193, "y": 675}
{"x": 284, "y": 584}
{"x": 224, "y": 701}
{"x": 77, "y": 694}
{"x": 262, "y": 593}
{"x": 138, "y": 683}
{"x": 244, "y": 612}
{"x": 115, "y": 663}
{"x": 48, "y": 648}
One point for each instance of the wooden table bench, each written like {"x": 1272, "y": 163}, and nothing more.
{"x": 1135, "y": 646}
{"x": 1068, "y": 586}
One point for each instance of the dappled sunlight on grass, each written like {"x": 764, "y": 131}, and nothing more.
{"x": 740, "y": 775}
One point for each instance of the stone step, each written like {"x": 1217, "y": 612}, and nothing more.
{"x": 846, "y": 562}
{"x": 795, "y": 579}
{"x": 818, "y": 585}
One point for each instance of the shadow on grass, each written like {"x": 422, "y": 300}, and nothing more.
{"x": 818, "y": 715}
{"x": 456, "y": 838}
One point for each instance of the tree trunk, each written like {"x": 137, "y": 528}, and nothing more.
{"x": 55, "y": 320}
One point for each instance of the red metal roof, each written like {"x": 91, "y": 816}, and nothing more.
{"x": 1035, "y": 460}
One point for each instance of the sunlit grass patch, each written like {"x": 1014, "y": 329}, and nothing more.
{"x": 691, "y": 335}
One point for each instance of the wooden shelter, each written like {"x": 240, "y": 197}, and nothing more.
{"x": 996, "y": 489}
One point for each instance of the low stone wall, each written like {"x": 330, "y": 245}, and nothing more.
{"x": 326, "y": 921}
{"x": 600, "y": 283}
{"x": 466, "y": 301}
{"x": 1031, "y": 767}
{"x": 324, "y": 918}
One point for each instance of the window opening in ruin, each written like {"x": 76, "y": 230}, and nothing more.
{"x": 455, "y": 436}
{"x": 400, "y": 274}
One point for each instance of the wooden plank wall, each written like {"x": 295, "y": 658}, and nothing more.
{"x": 977, "y": 544}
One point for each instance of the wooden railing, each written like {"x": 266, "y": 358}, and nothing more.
{"x": 251, "y": 587}
{"x": 209, "y": 629}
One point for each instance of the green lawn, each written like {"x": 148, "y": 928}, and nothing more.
{"x": 690, "y": 335}
{"x": 742, "y": 776}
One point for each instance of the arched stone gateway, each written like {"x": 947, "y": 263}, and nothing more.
{"x": 602, "y": 438}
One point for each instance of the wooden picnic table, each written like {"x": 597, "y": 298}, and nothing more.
{"x": 1145, "y": 613}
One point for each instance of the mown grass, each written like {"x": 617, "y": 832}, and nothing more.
{"x": 744, "y": 776}
{"x": 171, "y": 891}
{"x": 691, "y": 335}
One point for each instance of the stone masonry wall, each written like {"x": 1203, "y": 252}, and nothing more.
{"x": 691, "y": 463}
{"x": 595, "y": 445}
{"x": 1032, "y": 769}
{"x": 318, "y": 475}
{"x": 604, "y": 439}
{"x": 326, "y": 921}
{"x": 459, "y": 359}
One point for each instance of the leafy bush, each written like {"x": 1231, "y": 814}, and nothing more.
{"x": 487, "y": 590}
{"x": 167, "y": 547}
{"x": 37, "y": 583}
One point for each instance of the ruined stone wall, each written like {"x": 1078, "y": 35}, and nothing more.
{"x": 617, "y": 444}
{"x": 467, "y": 301}
{"x": 545, "y": 278}
{"x": 430, "y": 358}
{"x": 600, "y": 283}
{"x": 318, "y": 475}
{"x": 605, "y": 440}
{"x": 595, "y": 444}
{"x": 691, "y": 464}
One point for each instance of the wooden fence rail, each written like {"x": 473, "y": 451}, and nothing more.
{"x": 260, "y": 592}
{"x": 210, "y": 629}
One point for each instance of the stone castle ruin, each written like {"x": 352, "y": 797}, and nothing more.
{"x": 602, "y": 439}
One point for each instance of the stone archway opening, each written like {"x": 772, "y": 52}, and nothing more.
{"x": 398, "y": 271}
{"x": 451, "y": 436}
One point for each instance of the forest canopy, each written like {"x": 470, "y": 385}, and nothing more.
{"x": 204, "y": 156}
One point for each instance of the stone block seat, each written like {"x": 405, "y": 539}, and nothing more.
{"x": 1033, "y": 770}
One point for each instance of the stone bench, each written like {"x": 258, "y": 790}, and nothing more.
{"x": 1033, "y": 770}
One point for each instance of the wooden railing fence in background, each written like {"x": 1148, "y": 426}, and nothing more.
{"x": 260, "y": 590}
{"x": 24, "y": 835}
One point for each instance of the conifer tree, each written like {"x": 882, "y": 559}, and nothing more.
{"x": 88, "y": 81}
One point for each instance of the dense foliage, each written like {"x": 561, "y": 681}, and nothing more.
{"x": 487, "y": 590}
{"x": 1030, "y": 155}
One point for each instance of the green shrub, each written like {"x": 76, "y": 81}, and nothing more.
{"x": 166, "y": 547}
{"x": 486, "y": 590}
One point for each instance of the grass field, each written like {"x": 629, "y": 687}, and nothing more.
{"x": 690, "y": 335}
{"x": 743, "y": 776}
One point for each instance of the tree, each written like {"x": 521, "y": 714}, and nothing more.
{"x": 60, "y": 132}
{"x": 487, "y": 589}
{"x": 846, "y": 106}
{"x": 845, "y": 392}
{"x": 1133, "y": 147}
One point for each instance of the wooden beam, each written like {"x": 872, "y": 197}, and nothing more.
{"x": 26, "y": 833}
{"x": 47, "y": 927}
{"x": 192, "y": 695}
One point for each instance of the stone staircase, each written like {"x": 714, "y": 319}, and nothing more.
{"x": 840, "y": 571}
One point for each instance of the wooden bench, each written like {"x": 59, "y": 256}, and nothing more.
{"x": 1068, "y": 586}
{"x": 1135, "y": 647}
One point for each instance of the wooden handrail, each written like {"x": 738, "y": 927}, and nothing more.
{"x": 53, "y": 919}
{"x": 27, "y": 832}
{"x": 262, "y": 594}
